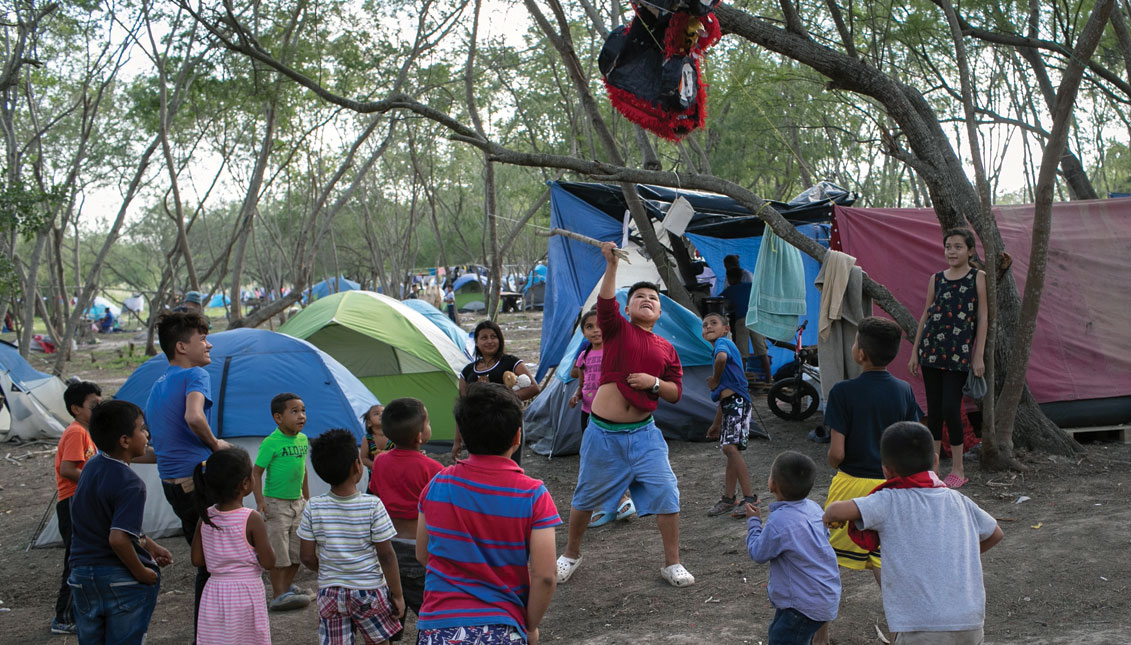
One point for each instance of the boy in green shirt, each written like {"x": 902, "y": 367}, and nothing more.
{"x": 282, "y": 497}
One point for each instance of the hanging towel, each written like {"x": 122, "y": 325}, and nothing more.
{"x": 777, "y": 298}
{"x": 831, "y": 282}
{"x": 834, "y": 353}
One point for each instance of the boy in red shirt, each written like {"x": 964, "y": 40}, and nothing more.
{"x": 622, "y": 447}
{"x": 399, "y": 475}
{"x": 75, "y": 448}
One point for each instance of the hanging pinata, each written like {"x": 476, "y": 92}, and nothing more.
{"x": 651, "y": 67}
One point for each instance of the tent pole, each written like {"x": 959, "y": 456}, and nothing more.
{"x": 42, "y": 521}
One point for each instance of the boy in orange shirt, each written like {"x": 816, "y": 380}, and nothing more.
{"x": 75, "y": 448}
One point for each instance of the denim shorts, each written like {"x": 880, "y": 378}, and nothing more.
{"x": 634, "y": 459}
{"x": 110, "y": 605}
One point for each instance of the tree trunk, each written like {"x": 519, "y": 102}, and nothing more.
{"x": 249, "y": 206}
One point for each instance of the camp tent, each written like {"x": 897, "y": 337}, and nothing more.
{"x": 553, "y": 428}
{"x": 249, "y": 367}
{"x": 329, "y": 286}
{"x": 32, "y": 406}
{"x": 1080, "y": 370}
{"x": 470, "y": 290}
{"x": 534, "y": 291}
{"x": 98, "y": 308}
{"x": 219, "y": 300}
{"x": 460, "y": 337}
{"x": 719, "y": 227}
{"x": 392, "y": 349}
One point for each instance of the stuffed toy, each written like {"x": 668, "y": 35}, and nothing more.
{"x": 651, "y": 67}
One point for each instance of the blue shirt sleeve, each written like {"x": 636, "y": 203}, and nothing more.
{"x": 763, "y": 545}
{"x": 198, "y": 381}
{"x": 129, "y": 507}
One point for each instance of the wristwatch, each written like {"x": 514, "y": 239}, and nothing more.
{"x": 656, "y": 387}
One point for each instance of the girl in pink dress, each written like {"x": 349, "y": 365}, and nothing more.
{"x": 231, "y": 541}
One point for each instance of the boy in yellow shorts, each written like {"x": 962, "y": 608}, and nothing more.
{"x": 281, "y": 496}
{"x": 856, "y": 414}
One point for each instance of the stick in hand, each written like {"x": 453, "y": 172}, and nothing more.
{"x": 620, "y": 253}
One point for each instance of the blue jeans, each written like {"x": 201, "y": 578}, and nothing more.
{"x": 791, "y": 627}
{"x": 110, "y": 605}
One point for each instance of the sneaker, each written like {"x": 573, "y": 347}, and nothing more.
{"x": 677, "y": 576}
{"x": 739, "y": 511}
{"x": 724, "y": 505}
{"x": 819, "y": 435}
{"x": 63, "y": 628}
{"x": 288, "y": 601}
{"x": 303, "y": 591}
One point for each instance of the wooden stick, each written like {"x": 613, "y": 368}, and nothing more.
{"x": 620, "y": 253}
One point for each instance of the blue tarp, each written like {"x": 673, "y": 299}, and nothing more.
{"x": 249, "y": 367}
{"x": 441, "y": 320}
{"x": 219, "y": 300}
{"x": 17, "y": 368}
{"x": 574, "y": 269}
{"x": 537, "y": 276}
{"x": 328, "y": 286}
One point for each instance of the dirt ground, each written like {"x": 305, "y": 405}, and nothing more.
{"x": 1060, "y": 576}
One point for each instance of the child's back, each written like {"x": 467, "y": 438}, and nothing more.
{"x": 344, "y": 529}
{"x": 476, "y": 512}
{"x": 860, "y": 409}
{"x": 931, "y": 542}
{"x": 232, "y": 609}
{"x": 803, "y": 570}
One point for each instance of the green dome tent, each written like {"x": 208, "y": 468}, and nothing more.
{"x": 389, "y": 347}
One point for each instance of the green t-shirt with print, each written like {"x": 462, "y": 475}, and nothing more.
{"x": 284, "y": 458}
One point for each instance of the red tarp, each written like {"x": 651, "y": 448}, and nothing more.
{"x": 1082, "y": 346}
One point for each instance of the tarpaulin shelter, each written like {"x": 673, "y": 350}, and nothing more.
{"x": 554, "y": 428}
{"x": 249, "y": 367}
{"x": 329, "y": 286}
{"x": 392, "y": 349}
{"x": 32, "y": 402}
{"x": 719, "y": 227}
{"x": 1080, "y": 368}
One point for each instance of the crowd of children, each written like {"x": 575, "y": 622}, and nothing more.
{"x": 470, "y": 548}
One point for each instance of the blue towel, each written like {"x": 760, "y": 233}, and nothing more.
{"x": 777, "y": 297}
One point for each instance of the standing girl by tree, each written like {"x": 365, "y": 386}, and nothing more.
{"x": 949, "y": 343}
{"x": 489, "y": 366}
{"x": 587, "y": 371}
{"x": 231, "y": 540}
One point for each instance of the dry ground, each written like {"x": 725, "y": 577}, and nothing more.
{"x": 1060, "y": 576}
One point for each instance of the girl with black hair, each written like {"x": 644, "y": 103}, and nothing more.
{"x": 231, "y": 540}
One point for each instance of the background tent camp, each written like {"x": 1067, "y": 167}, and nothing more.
{"x": 249, "y": 367}
{"x": 470, "y": 290}
{"x": 31, "y": 402}
{"x": 1080, "y": 369}
{"x": 329, "y": 286}
{"x": 720, "y": 226}
{"x": 554, "y": 428}
{"x": 460, "y": 337}
{"x": 534, "y": 291}
{"x": 391, "y": 348}
{"x": 98, "y": 308}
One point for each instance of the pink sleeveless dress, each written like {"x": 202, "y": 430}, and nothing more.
{"x": 233, "y": 608}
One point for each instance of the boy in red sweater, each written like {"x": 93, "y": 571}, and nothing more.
{"x": 399, "y": 475}
{"x": 622, "y": 447}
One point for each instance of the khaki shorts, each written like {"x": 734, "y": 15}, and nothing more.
{"x": 283, "y": 516}
{"x": 967, "y": 637}
{"x": 744, "y": 338}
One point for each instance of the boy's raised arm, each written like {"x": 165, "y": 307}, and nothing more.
{"x": 609, "y": 282}
{"x": 543, "y": 577}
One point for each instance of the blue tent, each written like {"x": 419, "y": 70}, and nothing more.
{"x": 465, "y": 278}
{"x": 719, "y": 227}
{"x": 219, "y": 300}
{"x": 536, "y": 276}
{"x": 441, "y": 320}
{"x": 249, "y": 367}
{"x": 328, "y": 286}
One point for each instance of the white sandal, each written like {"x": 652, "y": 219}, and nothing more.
{"x": 566, "y": 567}
{"x": 676, "y": 575}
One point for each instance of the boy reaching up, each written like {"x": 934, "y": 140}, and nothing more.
{"x": 919, "y": 520}
{"x": 622, "y": 447}
{"x": 282, "y": 495}
{"x": 399, "y": 476}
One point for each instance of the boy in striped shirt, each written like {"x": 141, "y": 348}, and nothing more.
{"x": 347, "y": 538}
{"x": 486, "y": 533}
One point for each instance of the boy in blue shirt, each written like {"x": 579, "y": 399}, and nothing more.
{"x": 109, "y": 553}
{"x": 728, "y": 387}
{"x": 177, "y": 411}
{"x": 804, "y": 583}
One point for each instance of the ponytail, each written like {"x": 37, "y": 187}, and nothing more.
{"x": 200, "y": 496}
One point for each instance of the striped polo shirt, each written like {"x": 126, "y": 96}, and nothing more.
{"x": 345, "y": 530}
{"x": 479, "y": 514}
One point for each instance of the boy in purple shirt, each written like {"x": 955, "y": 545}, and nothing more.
{"x": 804, "y": 581}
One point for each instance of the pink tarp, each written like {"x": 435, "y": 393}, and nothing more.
{"x": 1082, "y": 347}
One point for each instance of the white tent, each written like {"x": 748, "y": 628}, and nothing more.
{"x": 32, "y": 401}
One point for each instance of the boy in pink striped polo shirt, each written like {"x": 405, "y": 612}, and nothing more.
{"x": 486, "y": 533}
